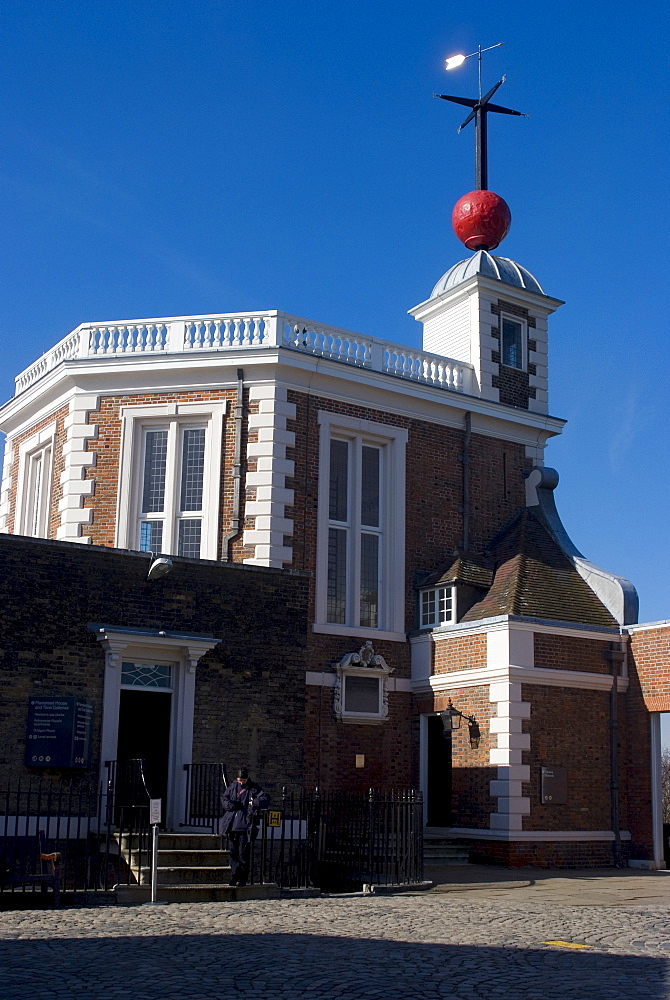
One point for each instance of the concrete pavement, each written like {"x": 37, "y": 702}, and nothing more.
{"x": 585, "y": 887}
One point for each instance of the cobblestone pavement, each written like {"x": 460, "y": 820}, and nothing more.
{"x": 402, "y": 947}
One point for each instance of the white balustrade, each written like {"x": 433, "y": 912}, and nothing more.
{"x": 249, "y": 331}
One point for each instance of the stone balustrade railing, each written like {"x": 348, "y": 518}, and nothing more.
{"x": 233, "y": 331}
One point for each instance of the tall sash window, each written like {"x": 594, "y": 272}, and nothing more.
{"x": 360, "y": 558}
{"x": 170, "y": 472}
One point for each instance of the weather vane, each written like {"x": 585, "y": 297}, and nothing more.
{"x": 481, "y": 219}
{"x": 480, "y": 109}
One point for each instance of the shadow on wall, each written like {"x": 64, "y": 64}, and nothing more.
{"x": 241, "y": 965}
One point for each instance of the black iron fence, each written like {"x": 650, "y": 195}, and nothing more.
{"x": 205, "y": 785}
{"x": 75, "y": 822}
{"x": 100, "y": 829}
{"x": 340, "y": 841}
{"x": 333, "y": 841}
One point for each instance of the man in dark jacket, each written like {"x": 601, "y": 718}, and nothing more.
{"x": 242, "y": 802}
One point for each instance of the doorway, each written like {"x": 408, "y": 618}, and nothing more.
{"x": 438, "y": 773}
{"x": 144, "y": 732}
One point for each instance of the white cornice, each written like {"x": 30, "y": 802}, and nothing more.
{"x": 546, "y": 626}
{"x": 294, "y": 369}
{"x": 545, "y": 676}
{"x": 497, "y": 289}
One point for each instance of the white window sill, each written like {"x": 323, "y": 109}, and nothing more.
{"x": 362, "y": 720}
{"x": 363, "y": 633}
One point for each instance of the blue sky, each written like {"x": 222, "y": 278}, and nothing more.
{"x": 168, "y": 158}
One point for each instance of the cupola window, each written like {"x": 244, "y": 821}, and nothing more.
{"x": 513, "y": 342}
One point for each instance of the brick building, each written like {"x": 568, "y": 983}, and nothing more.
{"x": 356, "y": 533}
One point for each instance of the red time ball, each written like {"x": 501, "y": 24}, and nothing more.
{"x": 481, "y": 220}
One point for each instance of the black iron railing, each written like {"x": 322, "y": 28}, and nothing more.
{"x": 75, "y": 819}
{"x": 205, "y": 785}
{"x": 341, "y": 841}
{"x": 330, "y": 840}
{"x": 128, "y": 814}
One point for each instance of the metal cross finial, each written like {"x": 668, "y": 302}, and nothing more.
{"x": 480, "y": 109}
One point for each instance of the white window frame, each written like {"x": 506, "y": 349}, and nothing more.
{"x": 438, "y": 621}
{"x": 391, "y": 612}
{"x": 135, "y": 420}
{"x": 351, "y": 665}
{"x": 38, "y": 448}
{"x": 524, "y": 341}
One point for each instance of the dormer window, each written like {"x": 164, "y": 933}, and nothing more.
{"x": 437, "y": 606}
{"x": 513, "y": 342}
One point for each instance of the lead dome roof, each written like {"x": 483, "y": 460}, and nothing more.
{"x": 482, "y": 262}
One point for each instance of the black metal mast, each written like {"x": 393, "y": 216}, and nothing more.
{"x": 480, "y": 109}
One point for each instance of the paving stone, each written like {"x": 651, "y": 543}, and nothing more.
{"x": 409, "y": 947}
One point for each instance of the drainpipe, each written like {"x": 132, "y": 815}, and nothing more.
{"x": 465, "y": 459}
{"x": 614, "y": 656}
{"x": 235, "y": 525}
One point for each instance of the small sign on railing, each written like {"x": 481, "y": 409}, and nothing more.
{"x": 155, "y": 809}
{"x": 274, "y": 817}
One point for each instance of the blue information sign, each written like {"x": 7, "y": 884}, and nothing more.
{"x": 59, "y": 732}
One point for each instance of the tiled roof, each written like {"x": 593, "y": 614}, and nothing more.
{"x": 462, "y": 568}
{"x": 533, "y": 577}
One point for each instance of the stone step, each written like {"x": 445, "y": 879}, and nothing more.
{"x": 173, "y": 841}
{"x": 194, "y": 876}
{"x": 446, "y": 862}
{"x": 441, "y": 852}
{"x": 172, "y": 858}
{"x": 133, "y": 895}
{"x": 444, "y": 852}
{"x": 182, "y": 875}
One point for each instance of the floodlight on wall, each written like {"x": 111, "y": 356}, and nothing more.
{"x": 159, "y": 567}
{"x": 451, "y": 720}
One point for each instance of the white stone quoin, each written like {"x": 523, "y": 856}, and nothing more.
{"x": 271, "y": 527}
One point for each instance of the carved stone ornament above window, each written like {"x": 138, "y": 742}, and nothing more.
{"x": 361, "y": 688}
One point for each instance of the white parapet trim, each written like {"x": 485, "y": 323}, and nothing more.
{"x": 271, "y": 526}
{"x": 76, "y": 462}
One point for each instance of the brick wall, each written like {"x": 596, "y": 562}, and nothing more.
{"x": 250, "y": 690}
{"x": 552, "y": 854}
{"x": 459, "y": 652}
{"x": 390, "y": 749}
{"x": 565, "y": 652}
{"x": 569, "y": 728}
{"x": 650, "y": 661}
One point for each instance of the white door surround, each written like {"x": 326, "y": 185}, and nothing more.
{"x": 181, "y": 650}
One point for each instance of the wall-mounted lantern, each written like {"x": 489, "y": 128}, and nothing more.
{"x": 451, "y": 720}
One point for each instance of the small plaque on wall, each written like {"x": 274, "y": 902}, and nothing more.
{"x": 59, "y": 732}
{"x": 554, "y": 785}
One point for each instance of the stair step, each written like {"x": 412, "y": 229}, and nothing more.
{"x": 194, "y": 876}
{"x": 173, "y": 857}
{"x": 184, "y": 876}
{"x": 132, "y": 895}
{"x": 172, "y": 841}
{"x": 440, "y": 852}
{"x": 446, "y": 862}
